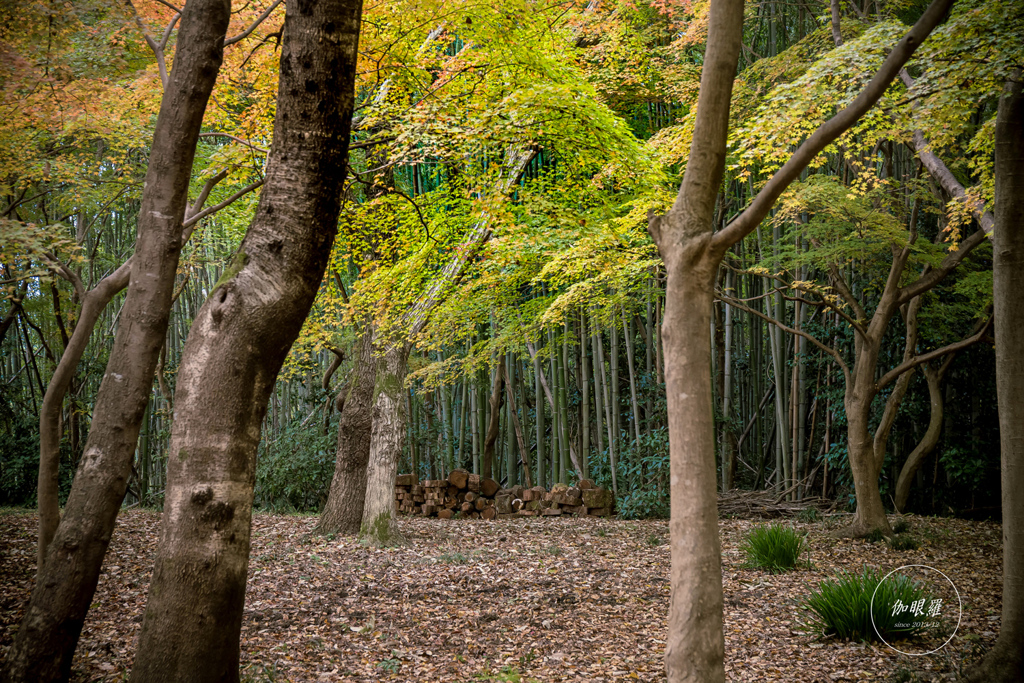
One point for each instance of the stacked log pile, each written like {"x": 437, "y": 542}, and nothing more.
{"x": 475, "y": 497}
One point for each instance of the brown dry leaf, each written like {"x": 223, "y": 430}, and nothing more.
{"x": 554, "y": 599}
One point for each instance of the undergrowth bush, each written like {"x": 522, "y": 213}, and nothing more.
{"x": 293, "y": 472}
{"x": 643, "y": 505}
{"x": 774, "y": 548}
{"x": 841, "y": 606}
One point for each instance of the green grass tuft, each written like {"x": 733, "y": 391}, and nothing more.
{"x": 901, "y": 526}
{"x": 775, "y": 548}
{"x": 875, "y": 536}
{"x": 903, "y": 542}
{"x": 841, "y": 606}
{"x": 808, "y": 515}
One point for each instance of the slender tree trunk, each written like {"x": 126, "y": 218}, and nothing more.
{"x": 389, "y": 417}
{"x": 692, "y": 253}
{"x": 538, "y": 400}
{"x": 67, "y": 578}
{"x": 236, "y": 347}
{"x": 931, "y": 436}
{"x": 343, "y": 512}
{"x": 1005, "y": 662}
{"x": 494, "y": 425}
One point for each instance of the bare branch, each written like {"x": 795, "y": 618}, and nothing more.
{"x": 827, "y": 349}
{"x": 240, "y": 141}
{"x": 230, "y": 200}
{"x": 167, "y": 31}
{"x": 931, "y": 355}
{"x": 61, "y": 268}
{"x": 252, "y": 27}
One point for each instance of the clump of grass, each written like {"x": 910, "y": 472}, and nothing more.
{"x": 775, "y": 548}
{"x": 602, "y": 532}
{"x": 875, "y": 536}
{"x": 841, "y": 606}
{"x": 903, "y": 542}
{"x": 808, "y": 515}
{"x": 654, "y": 540}
{"x": 901, "y": 526}
{"x": 452, "y": 558}
{"x": 554, "y": 550}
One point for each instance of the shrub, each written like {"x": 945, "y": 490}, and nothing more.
{"x": 875, "y": 536}
{"x": 775, "y": 548}
{"x": 841, "y": 606}
{"x": 643, "y": 505}
{"x": 903, "y": 542}
{"x": 808, "y": 515}
{"x": 901, "y": 526}
{"x": 293, "y": 473}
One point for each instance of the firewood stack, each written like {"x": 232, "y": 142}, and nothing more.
{"x": 475, "y": 497}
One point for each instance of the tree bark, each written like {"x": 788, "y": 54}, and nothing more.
{"x": 487, "y": 463}
{"x": 1005, "y": 662}
{"x": 236, "y": 347}
{"x": 343, "y": 513}
{"x": 692, "y": 254}
{"x": 67, "y": 579}
{"x": 379, "y": 514}
{"x": 931, "y": 436}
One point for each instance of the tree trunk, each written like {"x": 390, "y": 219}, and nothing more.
{"x": 696, "y": 646}
{"x": 1005, "y": 662}
{"x": 931, "y": 436}
{"x": 234, "y": 351}
{"x": 344, "y": 510}
{"x": 487, "y": 464}
{"x": 67, "y": 579}
{"x": 379, "y": 524}
{"x": 692, "y": 254}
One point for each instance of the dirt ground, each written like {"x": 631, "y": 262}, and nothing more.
{"x": 535, "y": 599}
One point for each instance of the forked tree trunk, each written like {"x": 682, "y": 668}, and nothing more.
{"x": 343, "y": 513}
{"x": 1005, "y": 662}
{"x": 235, "y": 349}
{"x": 692, "y": 254}
{"x": 65, "y": 584}
{"x": 931, "y": 436}
{"x": 379, "y": 524}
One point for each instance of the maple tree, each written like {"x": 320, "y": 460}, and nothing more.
{"x": 494, "y": 300}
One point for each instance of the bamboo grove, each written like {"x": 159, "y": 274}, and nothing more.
{"x": 503, "y": 164}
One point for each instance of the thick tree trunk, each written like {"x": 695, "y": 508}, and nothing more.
{"x": 235, "y": 349}
{"x": 379, "y": 523}
{"x": 343, "y": 513}
{"x": 1005, "y": 662}
{"x": 46, "y": 640}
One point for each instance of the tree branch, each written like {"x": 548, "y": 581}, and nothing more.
{"x": 931, "y": 355}
{"x": 785, "y": 328}
{"x": 252, "y": 27}
{"x": 829, "y": 131}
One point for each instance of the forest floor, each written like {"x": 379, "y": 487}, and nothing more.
{"x": 534, "y": 599}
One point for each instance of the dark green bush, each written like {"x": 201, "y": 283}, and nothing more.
{"x": 841, "y": 606}
{"x": 775, "y": 548}
{"x": 808, "y": 515}
{"x": 643, "y": 505}
{"x": 901, "y": 526}
{"x": 293, "y": 473}
{"x": 903, "y": 542}
{"x": 875, "y": 536}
